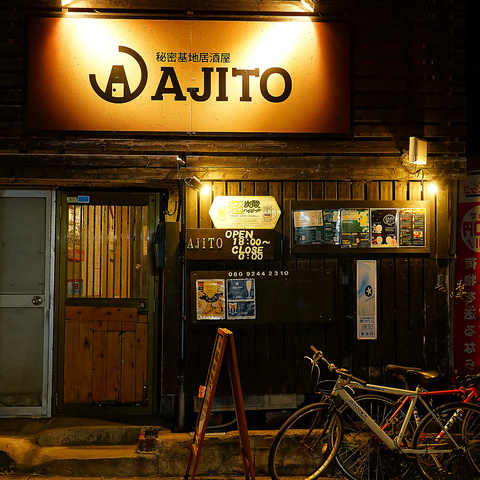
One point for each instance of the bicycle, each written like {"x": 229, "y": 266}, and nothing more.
{"x": 376, "y": 446}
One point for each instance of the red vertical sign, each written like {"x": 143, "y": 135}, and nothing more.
{"x": 467, "y": 278}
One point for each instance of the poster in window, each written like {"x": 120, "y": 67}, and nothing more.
{"x": 241, "y": 294}
{"x": 307, "y": 226}
{"x": 355, "y": 228}
{"x": 317, "y": 227}
{"x": 412, "y": 227}
{"x": 331, "y": 226}
{"x": 384, "y": 227}
{"x": 210, "y": 299}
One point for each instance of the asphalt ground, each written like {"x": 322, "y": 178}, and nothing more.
{"x": 20, "y": 476}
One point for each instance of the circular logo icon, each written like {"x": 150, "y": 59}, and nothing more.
{"x": 470, "y": 229}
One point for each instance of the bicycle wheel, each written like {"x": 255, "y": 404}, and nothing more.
{"x": 460, "y": 445}
{"x": 362, "y": 455}
{"x": 306, "y": 443}
{"x": 471, "y": 437}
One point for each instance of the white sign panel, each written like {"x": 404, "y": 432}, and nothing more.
{"x": 366, "y": 300}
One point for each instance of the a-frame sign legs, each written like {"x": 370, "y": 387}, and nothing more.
{"x": 224, "y": 344}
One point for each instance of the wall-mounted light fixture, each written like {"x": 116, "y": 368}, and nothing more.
{"x": 66, "y": 2}
{"x": 196, "y": 184}
{"x": 432, "y": 188}
{"x": 309, "y": 4}
{"x": 418, "y": 151}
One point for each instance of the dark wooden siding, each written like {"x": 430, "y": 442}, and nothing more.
{"x": 413, "y": 314}
{"x": 408, "y": 79}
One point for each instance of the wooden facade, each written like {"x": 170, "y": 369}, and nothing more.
{"x": 408, "y": 79}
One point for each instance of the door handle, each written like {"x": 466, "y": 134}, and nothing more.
{"x": 37, "y": 300}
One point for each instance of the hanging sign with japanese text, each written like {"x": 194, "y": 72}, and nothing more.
{"x": 132, "y": 74}
{"x": 244, "y": 212}
{"x": 467, "y": 278}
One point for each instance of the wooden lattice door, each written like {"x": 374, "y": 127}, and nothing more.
{"x": 107, "y": 315}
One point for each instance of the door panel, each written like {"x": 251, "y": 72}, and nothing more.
{"x": 25, "y": 314}
{"x": 107, "y": 321}
{"x": 105, "y": 355}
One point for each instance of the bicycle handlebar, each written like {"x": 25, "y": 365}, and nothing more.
{"x": 318, "y": 355}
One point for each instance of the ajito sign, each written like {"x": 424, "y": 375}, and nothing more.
{"x": 230, "y": 244}
{"x": 119, "y": 74}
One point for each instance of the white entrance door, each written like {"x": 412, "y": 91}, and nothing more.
{"x": 25, "y": 302}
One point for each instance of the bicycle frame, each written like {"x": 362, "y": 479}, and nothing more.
{"x": 468, "y": 396}
{"x": 395, "y": 444}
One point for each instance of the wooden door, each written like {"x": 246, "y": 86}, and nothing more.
{"x": 107, "y": 315}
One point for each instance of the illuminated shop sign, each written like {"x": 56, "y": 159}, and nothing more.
{"x": 256, "y": 212}
{"x": 99, "y": 74}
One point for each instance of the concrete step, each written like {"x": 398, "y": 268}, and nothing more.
{"x": 92, "y": 451}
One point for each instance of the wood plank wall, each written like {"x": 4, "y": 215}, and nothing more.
{"x": 408, "y": 79}
{"x": 413, "y": 315}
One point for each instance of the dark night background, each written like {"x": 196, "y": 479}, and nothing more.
{"x": 473, "y": 85}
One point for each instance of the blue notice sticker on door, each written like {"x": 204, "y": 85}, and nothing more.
{"x": 83, "y": 199}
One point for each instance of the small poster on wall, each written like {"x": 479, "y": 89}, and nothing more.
{"x": 241, "y": 298}
{"x": 384, "y": 227}
{"x": 412, "y": 224}
{"x": 210, "y": 299}
{"x": 355, "y": 228}
{"x": 317, "y": 227}
{"x": 366, "y": 299}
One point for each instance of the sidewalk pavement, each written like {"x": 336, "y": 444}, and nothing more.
{"x": 20, "y": 476}
{"x": 122, "y": 448}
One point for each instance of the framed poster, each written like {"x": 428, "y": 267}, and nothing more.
{"x": 318, "y": 226}
{"x": 313, "y": 227}
{"x": 412, "y": 225}
{"x": 210, "y": 299}
{"x": 262, "y": 296}
{"x": 384, "y": 227}
{"x": 355, "y": 228}
{"x": 241, "y": 298}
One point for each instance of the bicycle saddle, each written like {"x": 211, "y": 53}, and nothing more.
{"x": 414, "y": 376}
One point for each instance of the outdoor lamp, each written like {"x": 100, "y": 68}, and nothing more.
{"x": 309, "y": 4}
{"x": 195, "y": 183}
{"x": 418, "y": 151}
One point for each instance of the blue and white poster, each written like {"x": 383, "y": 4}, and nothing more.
{"x": 241, "y": 294}
{"x": 366, "y": 299}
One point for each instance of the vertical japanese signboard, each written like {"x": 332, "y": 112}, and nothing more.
{"x": 366, "y": 299}
{"x": 467, "y": 277}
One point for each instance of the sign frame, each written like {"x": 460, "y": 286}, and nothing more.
{"x": 224, "y": 346}
{"x": 426, "y": 205}
{"x": 341, "y": 133}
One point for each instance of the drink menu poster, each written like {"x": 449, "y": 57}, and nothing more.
{"x": 317, "y": 226}
{"x": 412, "y": 227}
{"x": 241, "y": 295}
